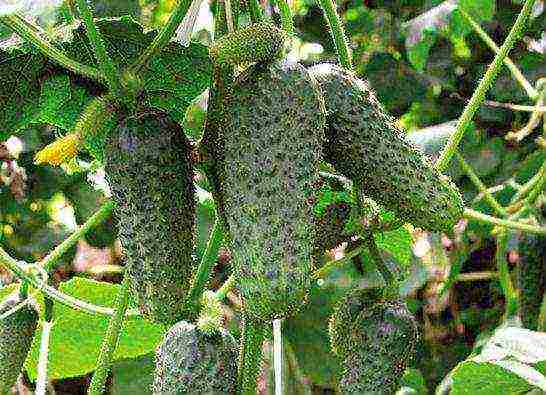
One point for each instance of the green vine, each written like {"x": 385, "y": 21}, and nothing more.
{"x": 205, "y": 267}
{"x": 163, "y": 37}
{"x": 110, "y": 340}
{"x": 51, "y": 260}
{"x": 30, "y": 33}
{"x": 106, "y": 64}
{"x": 479, "y": 94}
{"x": 337, "y": 33}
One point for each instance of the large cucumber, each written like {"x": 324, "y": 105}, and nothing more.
{"x": 149, "y": 171}
{"x": 363, "y": 143}
{"x": 273, "y": 139}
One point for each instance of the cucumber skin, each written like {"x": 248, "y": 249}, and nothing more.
{"x": 149, "y": 170}
{"x": 530, "y": 277}
{"x": 363, "y": 143}
{"x": 258, "y": 42}
{"x": 16, "y": 334}
{"x": 273, "y": 140}
{"x": 188, "y": 361}
{"x": 375, "y": 338}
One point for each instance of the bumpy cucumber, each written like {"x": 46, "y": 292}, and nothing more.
{"x": 16, "y": 333}
{"x": 149, "y": 171}
{"x": 332, "y": 210}
{"x": 259, "y": 42}
{"x": 363, "y": 143}
{"x": 273, "y": 144}
{"x": 188, "y": 361}
{"x": 345, "y": 316}
{"x": 375, "y": 337}
{"x": 530, "y": 277}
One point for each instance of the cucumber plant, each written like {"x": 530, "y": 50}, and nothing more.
{"x": 271, "y": 128}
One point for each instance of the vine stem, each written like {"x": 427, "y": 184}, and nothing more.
{"x": 225, "y": 288}
{"x": 481, "y": 186}
{"x": 504, "y": 274}
{"x": 286, "y": 16}
{"x": 67, "y": 300}
{"x": 31, "y": 34}
{"x": 50, "y": 261}
{"x": 106, "y": 65}
{"x": 379, "y": 263}
{"x": 332, "y": 264}
{"x": 277, "y": 355}
{"x": 255, "y": 11}
{"x": 250, "y": 355}
{"x": 480, "y": 217}
{"x": 110, "y": 340}
{"x": 41, "y": 381}
{"x": 518, "y": 75}
{"x": 479, "y": 94}
{"x": 164, "y": 36}
{"x": 337, "y": 33}
{"x": 207, "y": 263}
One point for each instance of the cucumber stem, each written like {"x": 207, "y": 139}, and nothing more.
{"x": 163, "y": 37}
{"x": 250, "y": 355}
{"x": 337, "y": 33}
{"x": 51, "y": 260}
{"x": 205, "y": 267}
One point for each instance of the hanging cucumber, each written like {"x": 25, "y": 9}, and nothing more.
{"x": 363, "y": 143}
{"x": 273, "y": 144}
{"x": 149, "y": 171}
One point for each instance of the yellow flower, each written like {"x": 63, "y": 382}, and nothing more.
{"x": 60, "y": 151}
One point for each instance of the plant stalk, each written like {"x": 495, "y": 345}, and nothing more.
{"x": 517, "y": 74}
{"x": 30, "y": 33}
{"x": 250, "y": 356}
{"x": 286, "y": 16}
{"x": 67, "y": 300}
{"x": 479, "y": 94}
{"x": 164, "y": 36}
{"x": 205, "y": 267}
{"x": 110, "y": 340}
{"x": 337, "y": 33}
{"x": 50, "y": 261}
{"x": 106, "y": 65}
{"x": 481, "y": 187}
{"x": 484, "y": 218}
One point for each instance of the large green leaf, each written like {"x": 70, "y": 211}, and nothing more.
{"x": 35, "y": 90}
{"x": 486, "y": 379}
{"x": 76, "y": 336}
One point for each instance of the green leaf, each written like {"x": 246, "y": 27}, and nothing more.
{"x": 133, "y": 376}
{"x": 479, "y": 10}
{"x": 76, "y": 336}
{"x": 35, "y": 90}
{"x": 486, "y": 379}
{"x": 397, "y": 242}
{"x": 418, "y": 53}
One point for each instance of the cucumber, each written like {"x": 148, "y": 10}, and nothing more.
{"x": 273, "y": 138}
{"x": 16, "y": 334}
{"x": 149, "y": 170}
{"x": 189, "y": 361}
{"x": 363, "y": 143}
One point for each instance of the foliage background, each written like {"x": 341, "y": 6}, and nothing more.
{"x": 424, "y": 61}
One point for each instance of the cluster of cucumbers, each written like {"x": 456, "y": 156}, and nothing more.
{"x": 268, "y": 130}
{"x": 271, "y": 127}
